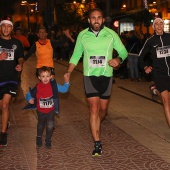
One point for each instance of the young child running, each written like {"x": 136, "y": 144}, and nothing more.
{"x": 45, "y": 96}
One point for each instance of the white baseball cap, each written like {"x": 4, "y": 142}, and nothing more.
{"x": 157, "y": 19}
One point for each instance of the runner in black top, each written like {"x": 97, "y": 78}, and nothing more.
{"x": 11, "y": 60}
{"x": 158, "y": 46}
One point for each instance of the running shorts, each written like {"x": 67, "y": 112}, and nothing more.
{"x": 162, "y": 81}
{"x": 98, "y": 86}
{"x": 10, "y": 88}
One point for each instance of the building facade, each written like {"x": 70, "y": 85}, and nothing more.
{"x": 157, "y": 8}
{"x": 28, "y": 15}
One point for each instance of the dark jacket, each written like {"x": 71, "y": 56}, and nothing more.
{"x": 153, "y": 45}
{"x": 133, "y": 45}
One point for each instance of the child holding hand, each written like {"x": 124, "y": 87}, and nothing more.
{"x": 45, "y": 96}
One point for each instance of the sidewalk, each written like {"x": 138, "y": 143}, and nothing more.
{"x": 123, "y": 133}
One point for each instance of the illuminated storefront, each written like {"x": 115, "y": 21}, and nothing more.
{"x": 167, "y": 25}
{"x": 126, "y": 24}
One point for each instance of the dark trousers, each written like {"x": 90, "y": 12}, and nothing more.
{"x": 45, "y": 120}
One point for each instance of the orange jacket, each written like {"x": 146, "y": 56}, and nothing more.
{"x": 23, "y": 40}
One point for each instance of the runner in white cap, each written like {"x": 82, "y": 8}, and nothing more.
{"x": 158, "y": 45}
{"x": 11, "y": 60}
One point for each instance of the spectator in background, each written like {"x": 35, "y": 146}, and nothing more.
{"x": 65, "y": 46}
{"x": 123, "y": 70}
{"x": 68, "y": 39}
{"x": 133, "y": 47}
{"x": 18, "y": 35}
{"x": 32, "y": 38}
{"x": 25, "y": 43}
{"x": 71, "y": 41}
{"x": 57, "y": 50}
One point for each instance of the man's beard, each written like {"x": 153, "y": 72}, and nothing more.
{"x": 96, "y": 28}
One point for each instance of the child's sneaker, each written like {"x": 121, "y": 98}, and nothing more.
{"x": 3, "y": 139}
{"x": 48, "y": 143}
{"x": 39, "y": 141}
{"x": 97, "y": 149}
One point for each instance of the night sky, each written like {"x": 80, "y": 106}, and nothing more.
{"x": 7, "y": 7}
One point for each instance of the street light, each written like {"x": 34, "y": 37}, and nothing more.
{"x": 124, "y": 7}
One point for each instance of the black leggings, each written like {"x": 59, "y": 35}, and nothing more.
{"x": 45, "y": 119}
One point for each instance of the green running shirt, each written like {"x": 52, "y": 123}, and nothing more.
{"x": 97, "y": 51}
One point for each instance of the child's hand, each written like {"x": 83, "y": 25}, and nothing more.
{"x": 31, "y": 101}
{"x": 67, "y": 77}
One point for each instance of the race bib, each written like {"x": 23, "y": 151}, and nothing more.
{"x": 97, "y": 61}
{"x": 10, "y": 53}
{"x": 46, "y": 102}
{"x": 163, "y": 52}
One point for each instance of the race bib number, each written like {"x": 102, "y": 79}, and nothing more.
{"x": 46, "y": 102}
{"x": 10, "y": 53}
{"x": 97, "y": 61}
{"x": 163, "y": 52}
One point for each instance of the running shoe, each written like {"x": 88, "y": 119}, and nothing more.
{"x": 48, "y": 143}
{"x": 97, "y": 149}
{"x": 153, "y": 92}
{"x": 153, "y": 89}
{"x": 3, "y": 139}
{"x": 39, "y": 141}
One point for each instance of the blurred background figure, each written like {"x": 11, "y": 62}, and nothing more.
{"x": 24, "y": 40}
{"x": 133, "y": 47}
{"x": 72, "y": 37}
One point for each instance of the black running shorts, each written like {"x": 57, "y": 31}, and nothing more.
{"x": 162, "y": 81}
{"x": 98, "y": 86}
{"x": 8, "y": 89}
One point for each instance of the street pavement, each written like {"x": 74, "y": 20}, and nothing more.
{"x": 134, "y": 135}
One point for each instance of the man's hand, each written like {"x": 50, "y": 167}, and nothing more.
{"x": 3, "y": 56}
{"x": 18, "y": 67}
{"x": 67, "y": 77}
{"x": 115, "y": 63}
{"x": 148, "y": 69}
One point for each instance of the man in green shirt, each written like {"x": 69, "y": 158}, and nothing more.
{"x": 96, "y": 43}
